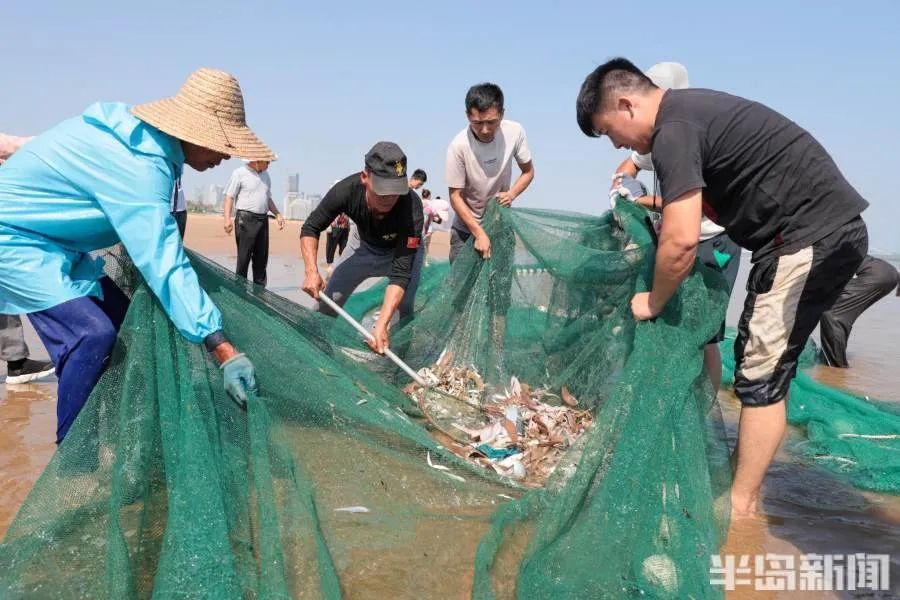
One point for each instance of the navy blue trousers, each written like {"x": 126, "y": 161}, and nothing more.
{"x": 79, "y": 336}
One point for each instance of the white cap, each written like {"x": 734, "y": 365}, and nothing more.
{"x": 668, "y": 75}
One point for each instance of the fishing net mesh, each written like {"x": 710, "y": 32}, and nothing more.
{"x": 326, "y": 486}
{"x": 856, "y": 438}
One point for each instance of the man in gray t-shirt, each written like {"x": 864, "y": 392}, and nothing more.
{"x": 249, "y": 191}
{"x": 479, "y": 166}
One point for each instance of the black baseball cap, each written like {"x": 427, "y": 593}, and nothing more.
{"x": 386, "y": 165}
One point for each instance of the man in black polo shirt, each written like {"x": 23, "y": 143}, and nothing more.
{"x": 776, "y": 191}
{"x": 388, "y": 218}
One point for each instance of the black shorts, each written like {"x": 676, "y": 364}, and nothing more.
{"x": 786, "y": 296}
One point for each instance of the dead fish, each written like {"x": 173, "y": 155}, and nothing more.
{"x": 515, "y": 388}
{"x": 445, "y": 358}
{"x": 361, "y": 402}
{"x": 353, "y": 509}
{"x": 568, "y": 398}
{"x": 434, "y": 466}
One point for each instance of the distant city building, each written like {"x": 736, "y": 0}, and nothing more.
{"x": 296, "y": 204}
{"x": 300, "y": 205}
{"x": 291, "y": 196}
{"x": 207, "y": 198}
{"x": 293, "y": 183}
{"x": 290, "y": 202}
{"x": 214, "y": 197}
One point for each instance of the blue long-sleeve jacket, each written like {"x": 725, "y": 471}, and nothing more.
{"x": 89, "y": 183}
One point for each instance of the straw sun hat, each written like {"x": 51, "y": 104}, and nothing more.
{"x": 207, "y": 111}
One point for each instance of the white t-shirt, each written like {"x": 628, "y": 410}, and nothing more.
{"x": 484, "y": 170}
{"x": 251, "y": 190}
{"x": 179, "y": 204}
{"x": 708, "y": 229}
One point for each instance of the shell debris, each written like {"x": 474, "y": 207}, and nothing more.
{"x": 522, "y": 433}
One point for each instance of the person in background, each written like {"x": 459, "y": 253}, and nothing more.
{"x": 13, "y": 350}
{"x": 102, "y": 178}
{"x": 336, "y": 239}
{"x": 249, "y": 191}
{"x": 417, "y": 179}
{"x": 9, "y": 144}
{"x": 479, "y": 166}
{"x": 431, "y": 217}
{"x": 874, "y": 279}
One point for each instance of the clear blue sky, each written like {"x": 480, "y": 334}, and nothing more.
{"x": 323, "y": 81}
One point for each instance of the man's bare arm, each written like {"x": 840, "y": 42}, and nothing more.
{"x": 521, "y": 184}
{"x": 226, "y": 209}
{"x": 678, "y": 240}
{"x": 312, "y": 282}
{"x": 482, "y": 241}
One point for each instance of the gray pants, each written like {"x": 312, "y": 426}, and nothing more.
{"x": 712, "y": 253}
{"x": 361, "y": 261}
{"x": 12, "y": 339}
{"x": 458, "y": 239}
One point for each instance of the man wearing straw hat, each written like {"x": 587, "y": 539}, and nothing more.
{"x": 108, "y": 177}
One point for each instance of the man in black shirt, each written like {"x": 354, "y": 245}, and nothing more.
{"x": 776, "y": 191}
{"x": 388, "y": 218}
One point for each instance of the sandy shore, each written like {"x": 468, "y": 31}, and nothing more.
{"x": 206, "y": 234}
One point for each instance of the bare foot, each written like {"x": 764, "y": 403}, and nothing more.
{"x": 744, "y": 508}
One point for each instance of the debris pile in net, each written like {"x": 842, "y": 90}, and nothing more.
{"x": 522, "y": 433}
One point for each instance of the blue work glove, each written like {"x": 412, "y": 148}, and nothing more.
{"x": 240, "y": 378}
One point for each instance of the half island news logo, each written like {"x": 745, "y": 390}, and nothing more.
{"x": 806, "y": 572}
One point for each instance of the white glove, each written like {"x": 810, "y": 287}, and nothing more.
{"x": 620, "y": 192}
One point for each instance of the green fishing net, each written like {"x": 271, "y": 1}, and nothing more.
{"x": 326, "y": 486}
{"x": 857, "y": 438}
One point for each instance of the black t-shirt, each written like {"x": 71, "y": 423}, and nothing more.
{"x": 400, "y": 229}
{"x": 765, "y": 179}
